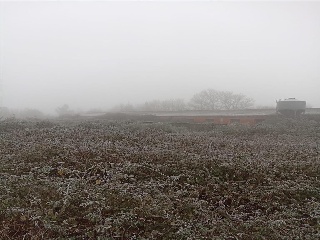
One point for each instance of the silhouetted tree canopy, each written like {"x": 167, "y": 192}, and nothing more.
{"x": 64, "y": 110}
{"x": 165, "y": 105}
{"x": 124, "y": 107}
{"x": 211, "y": 99}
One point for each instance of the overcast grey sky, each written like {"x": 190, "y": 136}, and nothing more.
{"x": 99, "y": 54}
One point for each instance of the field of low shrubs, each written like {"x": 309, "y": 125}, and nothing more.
{"x": 103, "y": 179}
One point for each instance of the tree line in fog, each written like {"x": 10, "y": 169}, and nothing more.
{"x": 24, "y": 113}
{"x": 209, "y": 99}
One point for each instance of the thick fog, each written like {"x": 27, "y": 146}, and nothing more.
{"x": 100, "y": 54}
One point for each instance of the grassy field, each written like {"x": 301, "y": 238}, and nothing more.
{"x": 103, "y": 179}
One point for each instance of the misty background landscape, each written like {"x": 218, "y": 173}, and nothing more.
{"x": 159, "y": 120}
{"x": 106, "y": 55}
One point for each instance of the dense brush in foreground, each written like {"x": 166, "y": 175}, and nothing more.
{"x": 131, "y": 180}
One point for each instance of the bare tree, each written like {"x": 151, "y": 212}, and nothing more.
{"x": 166, "y": 105}
{"x": 232, "y": 101}
{"x": 174, "y": 105}
{"x": 205, "y": 100}
{"x": 64, "y": 110}
{"x": 124, "y": 108}
{"x": 211, "y": 99}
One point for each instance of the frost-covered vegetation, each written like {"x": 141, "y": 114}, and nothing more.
{"x": 134, "y": 180}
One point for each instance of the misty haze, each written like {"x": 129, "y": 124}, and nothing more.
{"x": 97, "y": 55}
{"x": 159, "y": 120}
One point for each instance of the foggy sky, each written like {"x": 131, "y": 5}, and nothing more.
{"x": 100, "y": 54}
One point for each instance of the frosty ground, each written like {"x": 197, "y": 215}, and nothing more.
{"x": 102, "y": 179}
